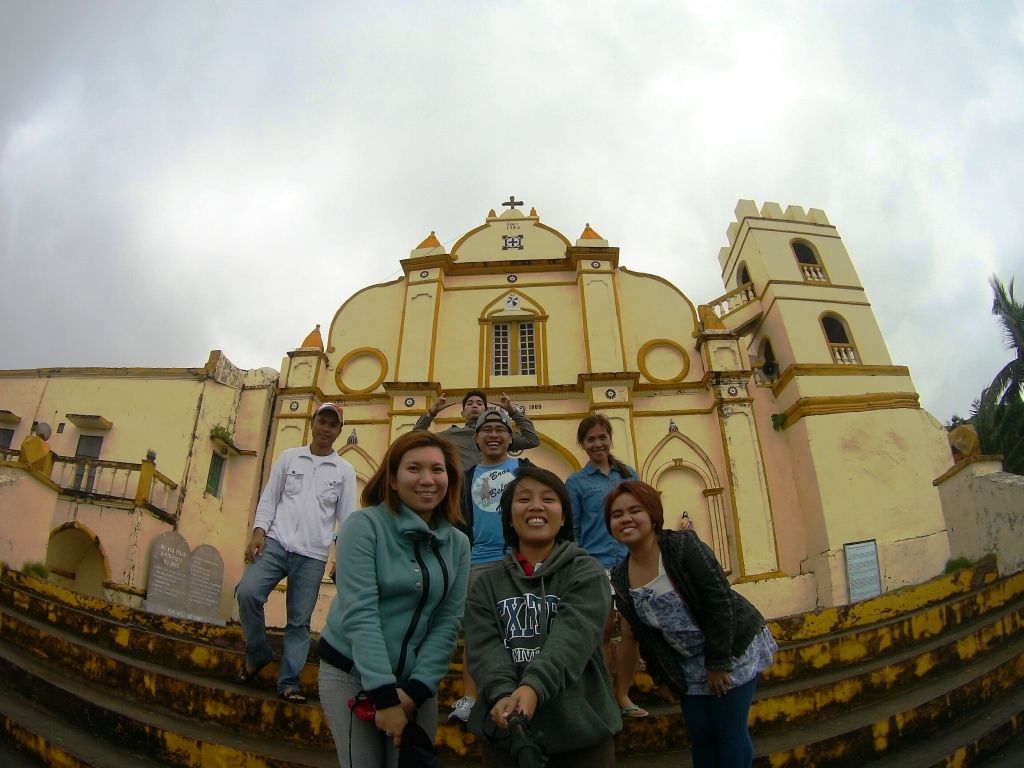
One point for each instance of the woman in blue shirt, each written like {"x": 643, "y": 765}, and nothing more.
{"x": 587, "y": 489}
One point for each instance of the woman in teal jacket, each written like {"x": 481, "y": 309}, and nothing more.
{"x": 402, "y": 574}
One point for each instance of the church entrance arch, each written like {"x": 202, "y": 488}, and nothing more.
{"x": 552, "y": 456}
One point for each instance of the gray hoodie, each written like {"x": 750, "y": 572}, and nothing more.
{"x": 544, "y": 631}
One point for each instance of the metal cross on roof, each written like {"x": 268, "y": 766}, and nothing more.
{"x": 512, "y": 202}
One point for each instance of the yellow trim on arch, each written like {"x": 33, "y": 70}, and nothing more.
{"x": 647, "y": 347}
{"x": 373, "y": 352}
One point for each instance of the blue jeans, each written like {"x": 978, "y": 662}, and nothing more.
{"x": 304, "y": 575}
{"x": 718, "y": 728}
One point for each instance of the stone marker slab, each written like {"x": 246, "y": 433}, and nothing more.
{"x": 182, "y": 583}
{"x": 206, "y": 577}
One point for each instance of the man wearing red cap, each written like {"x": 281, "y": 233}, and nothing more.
{"x": 311, "y": 490}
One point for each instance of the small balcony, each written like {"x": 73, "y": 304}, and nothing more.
{"x": 110, "y": 483}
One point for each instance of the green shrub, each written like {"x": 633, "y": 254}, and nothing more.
{"x": 958, "y": 564}
{"x": 36, "y": 569}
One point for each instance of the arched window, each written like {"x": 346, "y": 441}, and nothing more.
{"x": 743, "y": 276}
{"x": 810, "y": 265}
{"x": 840, "y": 342}
{"x": 769, "y": 364}
{"x": 514, "y": 339}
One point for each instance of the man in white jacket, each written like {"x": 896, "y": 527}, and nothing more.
{"x": 311, "y": 490}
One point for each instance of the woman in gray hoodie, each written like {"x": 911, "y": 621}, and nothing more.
{"x": 533, "y": 627}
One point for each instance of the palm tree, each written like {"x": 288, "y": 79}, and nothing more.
{"x": 1007, "y": 387}
{"x": 999, "y": 414}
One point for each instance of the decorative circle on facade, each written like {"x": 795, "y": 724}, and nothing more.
{"x": 424, "y": 273}
{"x": 513, "y": 278}
{"x": 293, "y": 406}
{"x": 663, "y": 361}
{"x": 361, "y": 371}
{"x": 520, "y": 409}
{"x": 410, "y": 402}
{"x": 595, "y": 264}
{"x": 610, "y": 393}
{"x": 732, "y": 391}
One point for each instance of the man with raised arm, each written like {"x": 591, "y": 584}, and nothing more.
{"x": 464, "y": 438}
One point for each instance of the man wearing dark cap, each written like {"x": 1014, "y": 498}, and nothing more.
{"x": 311, "y": 490}
{"x": 463, "y": 438}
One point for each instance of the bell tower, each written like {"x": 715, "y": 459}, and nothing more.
{"x": 848, "y": 418}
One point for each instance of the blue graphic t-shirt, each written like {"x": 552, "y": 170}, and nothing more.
{"x": 486, "y": 488}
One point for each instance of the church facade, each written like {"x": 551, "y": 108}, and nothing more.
{"x": 772, "y": 416}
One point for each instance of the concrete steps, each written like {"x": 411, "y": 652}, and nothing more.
{"x": 929, "y": 674}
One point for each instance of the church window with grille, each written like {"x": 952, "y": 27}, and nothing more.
{"x": 514, "y": 348}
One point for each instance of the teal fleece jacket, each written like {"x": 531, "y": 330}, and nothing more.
{"x": 401, "y": 596}
{"x": 544, "y": 631}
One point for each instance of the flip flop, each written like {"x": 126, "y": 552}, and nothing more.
{"x": 633, "y": 712}
{"x": 244, "y": 676}
{"x": 293, "y": 696}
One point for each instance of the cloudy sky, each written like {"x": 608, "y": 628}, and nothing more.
{"x": 178, "y": 177}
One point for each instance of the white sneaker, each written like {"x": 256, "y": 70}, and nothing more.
{"x": 462, "y": 709}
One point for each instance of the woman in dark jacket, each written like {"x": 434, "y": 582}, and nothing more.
{"x": 695, "y": 632}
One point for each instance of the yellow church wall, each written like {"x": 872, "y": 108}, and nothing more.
{"x": 807, "y": 338}
{"x": 873, "y": 471}
{"x": 772, "y": 241}
{"x": 370, "y": 319}
{"x": 147, "y": 413}
{"x": 658, "y": 324}
{"x": 487, "y": 242}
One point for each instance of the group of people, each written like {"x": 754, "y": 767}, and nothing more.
{"x": 456, "y": 532}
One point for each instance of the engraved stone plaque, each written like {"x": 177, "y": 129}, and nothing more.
{"x": 167, "y": 588}
{"x": 862, "y": 576}
{"x": 184, "y": 584}
{"x": 206, "y": 577}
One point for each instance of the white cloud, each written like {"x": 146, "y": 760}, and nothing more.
{"x": 192, "y": 166}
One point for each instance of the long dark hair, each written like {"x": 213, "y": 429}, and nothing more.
{"x": 545, "y": 478}
{"x": 600, "y": 420}
{"x": 379, "y": 488}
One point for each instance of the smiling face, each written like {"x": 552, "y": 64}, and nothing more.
{"x": 629, "y": 521}
{"x": 536, "y": 513}
{"x": 421, "y": 480}
{"x": 493, "y": 439}
{"x": 597, "y": 444}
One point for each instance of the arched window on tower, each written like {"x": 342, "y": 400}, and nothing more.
{"x": 840, "y": 341}
{"x": 743, "y": 276}
{"x": 768, "y": 370}
{"x": 809, "y": 262}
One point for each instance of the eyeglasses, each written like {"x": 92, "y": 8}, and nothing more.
{"x": 493, "y": 430}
